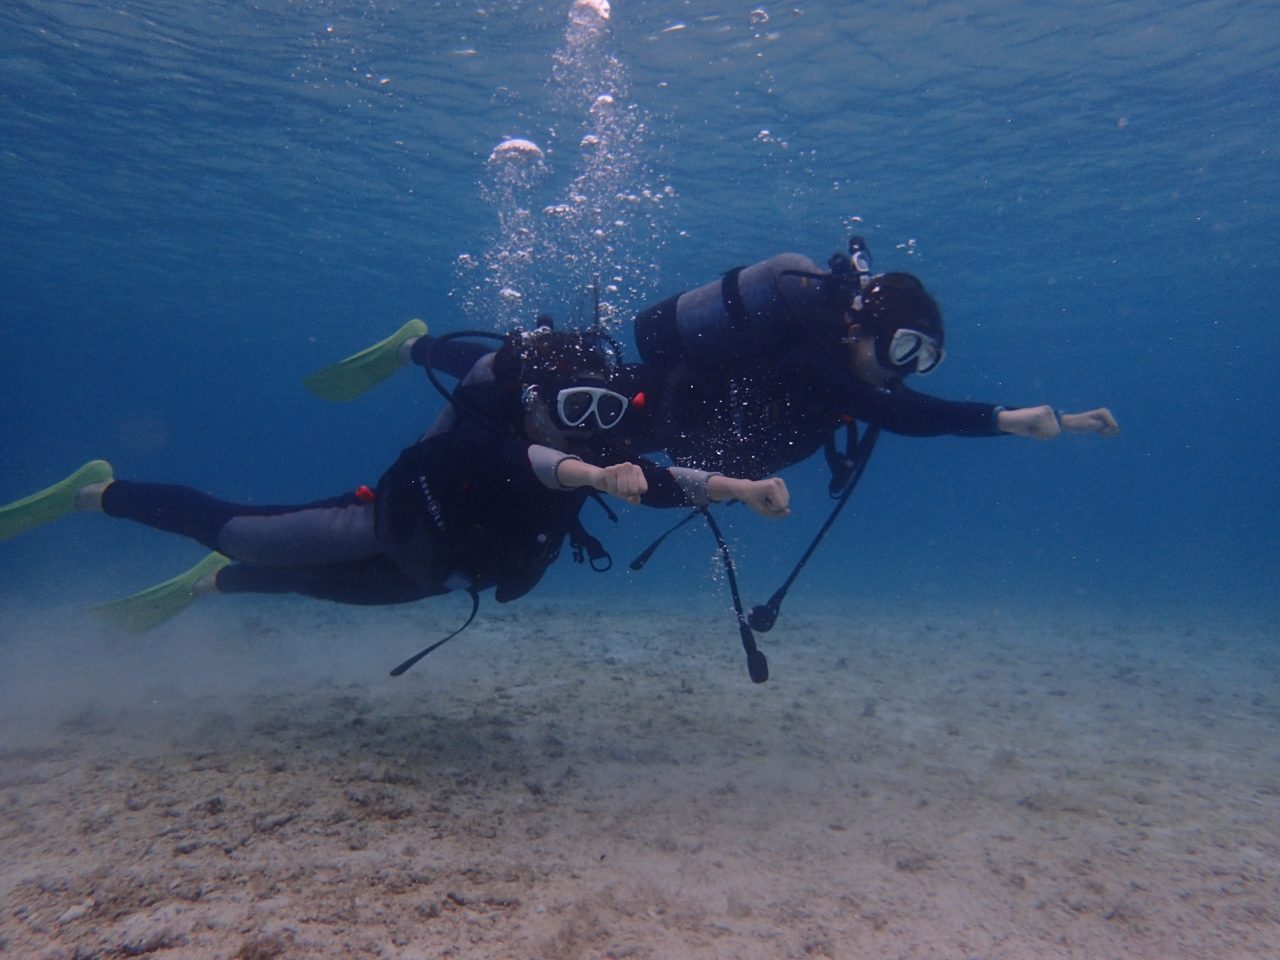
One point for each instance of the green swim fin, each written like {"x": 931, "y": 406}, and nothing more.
{"x": 150, "y": 608}
{"x": 362, "y": 371}
{"x": 51, "y": 502}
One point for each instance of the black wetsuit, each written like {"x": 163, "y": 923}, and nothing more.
{"x": 746, "y": 374}
{"x": 462, "y": 508}
{"x": 750, "y": 416}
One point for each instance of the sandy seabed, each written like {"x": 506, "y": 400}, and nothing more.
{"x": 565, "y": 781}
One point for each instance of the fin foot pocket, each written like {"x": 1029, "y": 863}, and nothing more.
{"x": 349, "y": 378}
{"x": 147, "y": 610}
{"x": 52, "y": 502}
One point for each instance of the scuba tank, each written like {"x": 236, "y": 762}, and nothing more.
{"x": 751, "y": 310}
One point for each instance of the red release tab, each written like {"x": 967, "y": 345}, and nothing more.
{"x": 365, "y": 494}
{"x": 638, "y": 400}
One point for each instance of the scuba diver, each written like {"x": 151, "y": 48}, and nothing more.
{"x": 759, "y": 369}
{"x": 485, "y": 499}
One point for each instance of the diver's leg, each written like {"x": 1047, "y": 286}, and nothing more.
{"x": 324, "y": 550}
{"x": 372, "y": 581}
{"x": 326, "y": 531}
{"x": 367, "y": 582}
{"x": 455, "y": 356}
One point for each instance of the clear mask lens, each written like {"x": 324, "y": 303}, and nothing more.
{"x": 576, "y": 404}
{"x": 912, "y": 348}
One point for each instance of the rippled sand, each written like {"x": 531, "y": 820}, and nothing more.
{"x": 565, "y": 782}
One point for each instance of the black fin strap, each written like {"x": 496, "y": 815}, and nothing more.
{"x": 475, "y": 606}
{"x": 757, "y": 665}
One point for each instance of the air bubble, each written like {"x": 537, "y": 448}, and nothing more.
{"x": 515, "y": 149}
{"x": 599, "y": 7}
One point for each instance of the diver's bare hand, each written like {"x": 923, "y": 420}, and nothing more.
{"x": 1099, "y": 421}
{"x": 1038, "y": 423}
{"x": 622, "y": 480}
{"x": 769, "y": 497}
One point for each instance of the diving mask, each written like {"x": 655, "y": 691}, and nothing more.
{"x": 575, "y": 404}
{"x": 909, "y": 351}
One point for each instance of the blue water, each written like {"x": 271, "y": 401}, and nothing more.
{"x": 203, "y": 203}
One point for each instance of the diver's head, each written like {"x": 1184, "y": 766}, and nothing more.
{"x": 572, "y": 385}
{"x": 895, "y": 331}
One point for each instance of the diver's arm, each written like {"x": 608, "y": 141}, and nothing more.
{"x": 906, "y": 411}
{"x": 901, "y": 410}
{"x": 1098, "y": 421}
{"x": 768, "y": 497}
{"x": 625, "y": 481}
{"x": 1044, "y": 423}
{"x": 1038, "y": 423}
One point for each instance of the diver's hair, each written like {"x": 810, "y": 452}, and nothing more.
{"x": 548, "y": 356}
{"x": 894, "y": 300}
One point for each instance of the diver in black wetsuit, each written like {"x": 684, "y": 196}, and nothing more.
{"x": 757, "y": 371}
{"x": 485, "y": 499}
